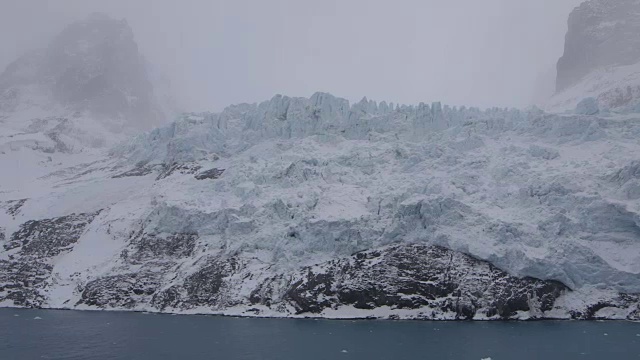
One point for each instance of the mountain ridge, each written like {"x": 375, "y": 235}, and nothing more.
{"x": 92, "y": 78}
{"x": 601, "y": 57}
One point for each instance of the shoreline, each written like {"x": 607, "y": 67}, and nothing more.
{"x": 338, "y": 319}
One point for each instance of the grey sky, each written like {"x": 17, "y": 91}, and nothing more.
{"x": 461, "y": 52}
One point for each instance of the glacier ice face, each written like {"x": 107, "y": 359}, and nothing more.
{"x": 294, "y": 182}
{"x": 194, "y": 136}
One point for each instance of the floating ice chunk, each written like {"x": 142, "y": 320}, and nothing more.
{"x": 486, "y": 358}
{"x": 16, "y": 315}
{"x": 344, "y": 351}
{"x": 37, "y": 318}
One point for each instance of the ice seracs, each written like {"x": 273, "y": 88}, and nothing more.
{"x": 219, "y": 212}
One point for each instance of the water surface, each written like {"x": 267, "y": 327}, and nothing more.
{"x": 51, "y": 334}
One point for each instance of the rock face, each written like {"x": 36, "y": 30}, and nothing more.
{"x": 440, "y": 282}
{"x": 430, "y": 281}
{"x": 601, "y": 33}
{"x": 26, "y": 272}
{"x": 21, "y": 281}
{"x": 601, "y": 58}
{"x": 94, "y": 68}
{"x": 49, "y": 237}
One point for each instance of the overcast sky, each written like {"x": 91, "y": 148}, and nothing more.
{"x": 462, "y": 52}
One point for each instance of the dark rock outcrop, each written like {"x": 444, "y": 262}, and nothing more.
{"x": 120, "y": 291}
{"x": 27, "y": 271}
{"x": 181, "y": 168}
{"x": 210, "y": 174}
{"x": 151, "y": 247}
{"x": 154, "y": 256}
{"x": 166, "y": 170}
{"x": 49, "y": 237}
{"x": 138, "y": 170}
{"x": 599, "y": 310}
{"x": 433, "y": 278}
{"x": 21, "y": 281}
{"x": 204, "y": 288}
{"x": 12, "y": 207}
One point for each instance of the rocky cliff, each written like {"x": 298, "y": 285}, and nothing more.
{"x": 601, "y": 33}
{"x": 601, "y": 56}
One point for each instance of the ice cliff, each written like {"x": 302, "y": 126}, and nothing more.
{"x": 234, "y": 212}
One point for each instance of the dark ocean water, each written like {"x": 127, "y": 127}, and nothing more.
{"x": 50, "y": 334}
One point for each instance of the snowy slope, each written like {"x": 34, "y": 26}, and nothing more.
{"x": 221, "y": 213}
{"x": 616, "y": 89}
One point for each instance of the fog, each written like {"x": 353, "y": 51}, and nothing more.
{"x": 462, "y": 52}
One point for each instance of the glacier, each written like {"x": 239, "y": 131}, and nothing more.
{"x": 222, "y": 212}
{"x": 517, "y": 178}
{"x": 317, "y": 207}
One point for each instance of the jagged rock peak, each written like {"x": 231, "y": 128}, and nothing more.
{"x": 93, "y": 66}
{"x": 601, "y": 33}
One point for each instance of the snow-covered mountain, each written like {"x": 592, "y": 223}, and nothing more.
{"x": 318, "y": 207}
{"x": 89, "y": 88}
{"x": 601, "y": 58}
